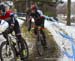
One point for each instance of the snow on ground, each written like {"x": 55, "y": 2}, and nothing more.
{"x": 64, "y": 37}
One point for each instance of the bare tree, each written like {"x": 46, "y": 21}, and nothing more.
{"x": 68, "y": 12}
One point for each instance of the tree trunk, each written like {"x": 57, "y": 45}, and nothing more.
{"x": 68, "y": 12}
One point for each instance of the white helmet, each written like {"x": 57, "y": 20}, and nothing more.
{"x": 8, "y": 4}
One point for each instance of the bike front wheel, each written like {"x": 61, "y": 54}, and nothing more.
{"x": 7, "y": 53}
{"x": 24, "y": 54}
{"x": 39, "y": 45}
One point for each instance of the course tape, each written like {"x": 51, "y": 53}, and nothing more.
{"x": 72, "y": 45}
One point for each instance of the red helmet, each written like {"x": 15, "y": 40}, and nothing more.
{"x": 33, "y": 7}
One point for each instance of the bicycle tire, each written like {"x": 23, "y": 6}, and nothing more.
{"x": 39, "y": 46}
{"x": 1, "y": 46}
{"x": 26, "y": 49}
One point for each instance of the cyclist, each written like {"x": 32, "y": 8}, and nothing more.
{"x": 39, "y": 21}
{"x": 13, "y": 23}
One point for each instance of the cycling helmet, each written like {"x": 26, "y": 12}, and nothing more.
{"x": 9, "y": 4}
{"x": 33, "y": 7}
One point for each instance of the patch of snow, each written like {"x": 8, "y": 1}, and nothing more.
{"x": 64, "y": 44}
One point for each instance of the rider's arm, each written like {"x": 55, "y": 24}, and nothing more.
{"x": 12, "y": 19}
{"x": 29, "y": 23}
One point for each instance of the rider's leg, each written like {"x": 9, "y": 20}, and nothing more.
{"x": 44, "y": 36}
{"x": 18, "y": 35}
{"x": 35, "y": 31}
{"x": 29, "y": 25}
{"x": 5, "y": 35}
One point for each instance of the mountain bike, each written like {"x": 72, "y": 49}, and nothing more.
{"x": 40, "y": 38}
{"x": 11, "y": 49}
{"x": 40, "y": 42}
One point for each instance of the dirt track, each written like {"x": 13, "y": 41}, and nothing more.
{"x": 53, "y": 52}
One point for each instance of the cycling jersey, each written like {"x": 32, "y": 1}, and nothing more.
{"x": 7, "y": 15}
{"x": 35, "y": 15}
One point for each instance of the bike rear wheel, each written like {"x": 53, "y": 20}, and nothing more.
{"x": 7, "y": 53}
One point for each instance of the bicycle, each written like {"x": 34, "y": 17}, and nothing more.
{"x": 40, "y": 38}
{"x": 10, "y": 48}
